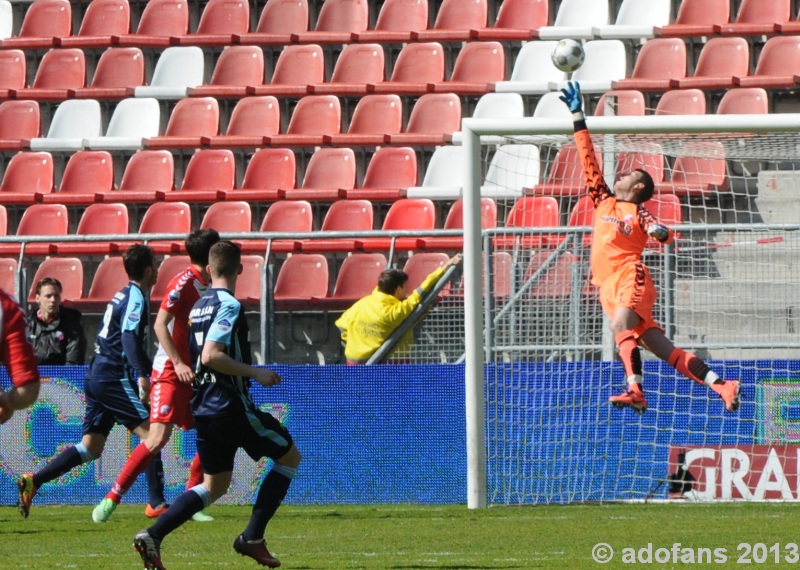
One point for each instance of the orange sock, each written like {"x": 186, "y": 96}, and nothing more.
{"x": 689, "y": 365}
{"x": 195, "y": 473}
{"x": 629, "y": 353}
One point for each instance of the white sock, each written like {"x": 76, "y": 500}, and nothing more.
{"x": 711, "y": 378}
{"x": 635, "y": 379}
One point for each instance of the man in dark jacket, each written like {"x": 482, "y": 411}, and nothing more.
{"x": 55, "y": 331}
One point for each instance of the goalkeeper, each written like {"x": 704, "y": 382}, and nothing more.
{"x": 368, "y": 323}
{"x": 621, "y": 228}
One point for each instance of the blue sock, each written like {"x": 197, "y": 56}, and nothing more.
{"x": 273, "y": 490}
{"x": 155, "y": 481}
{"x": 62, "y": 463}
{"x": 192, "y": 501}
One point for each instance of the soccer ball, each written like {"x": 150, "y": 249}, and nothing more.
{"x": 568, "y": 55}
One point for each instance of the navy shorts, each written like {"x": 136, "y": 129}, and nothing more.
{"x": 109, "y": 402}
{"x": 257, "y": 432}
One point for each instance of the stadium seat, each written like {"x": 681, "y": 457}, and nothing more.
{"x": 565, "y": 177}
{"x": 342, "y": 216}
{"x": 228, "y": 217}
{"x": 576, "y": 19}
{"x": 236, "y": 69}
{"x": 517, "y": 20}
{"x": 19, "y": 120}
{"x": 73, "y": 121}
{"x": 454, "y": 20}
{"x": 606, "y": 62}
{"x": 252, "y": 119}
{"x": 44, "y": 20}
{"x": 209, "y": 175}
{"x": 397, "y": 19}
{"x": 177, "y": 69}
{"x": 328, "y": 173}
{"x": 478, "y": 66}
{"x": 8, "y": 275}
{"x": 700, "y": 170}
{"x": 455, "y": 221}
{"x": 513, "y": 168}
{"x": 530, "y": 212}
{"x": 219, "y": 22}
{"x": 495, "y": 106}
{"x": 433, "y": 120}
{"x": 357, "y": 66}
{"x": 38, "y": 220}
{"x": 420, "y": 265}
{"x": 68, "y": 270}
{"x": 649, "y": 157}
{"x": 757, "y": 17}
{"x": 660, "y": 62}
{"x": 789, "y": 28}
{"x": 103, "y": 20}
{"x": 314, "y": 117}
{"x": 417, "y": 66}
{"x": 190, "y": 121}
{"x": 3, "y": 221}
{"x": 374, "y": 119}
{"x": 358, "y": 276}
{"x": 721, "y": 60}
{"x": 778, "y": 64}
{"x": 403, "y": 214}
{"x": 59, "y": 71}
{"x": 697, "y": 18}
{"x": 682, "y": 102}
{"x": 166, "y": 218}
{"x": 28, "y": 176}
{"x": 744, "y": 100}
{"x": 98, "y": 219}
{"x": 301, "y": 280}
{"x": 6, "y": 19}
{"x": 550, "y": 106}
{"x": 133, "y": 122}
{"x": 109, "y": 279}
{"x": 443, "y": 175}
{"x": 270, "y": 172}
{"x": 336, "y": 22}
{"x": 637, "y": 19}
{"x": 533, "y": 70}
{"x": 391, "y": 170}
{"x": 279, "y": 20}
{"x": 169, "y": 267}
{"x": 582, "y": 214}
{"x": 625, "y": 102}
{"x": 249, "y": 284}
{"x": 285, "y": 216}
{"x": 148, "y": 174}
{"x": 118, "y": 71}
{"x": 297, "y": 68}
{"x": 666, "y": 208}
{"x": 554, "y": 280}
{"x": 87, "y": 174}
{"x": 160, "y": 20}
{"x": 13, "y": 71}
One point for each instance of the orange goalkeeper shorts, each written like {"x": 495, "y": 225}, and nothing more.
{"x": 633, "y": 288}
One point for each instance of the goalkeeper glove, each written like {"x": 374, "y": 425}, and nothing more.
{"x": 658, "y": 232}
{"x": 572, "y": 97}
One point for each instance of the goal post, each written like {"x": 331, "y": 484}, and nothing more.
{"x": 530, "y": 470}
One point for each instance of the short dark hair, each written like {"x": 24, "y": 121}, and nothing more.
{"x": 136, "y": 259}
{"x": 198, "y": 243}
{"x": 224, "y": 258}
{"x": 649, "y": 185}
{"x": 48, "y": 281}
{"x": 390, "y": 279}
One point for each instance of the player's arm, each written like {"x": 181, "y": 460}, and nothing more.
{"x": 17, "y": 354}
{"x": 654, "y": 229}
{"x": 216, "y": 357}
{"x": 161, "y": 327}
{"x": 592, "y": 173}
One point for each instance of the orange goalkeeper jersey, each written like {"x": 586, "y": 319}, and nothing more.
{"x": 620, "y": 228}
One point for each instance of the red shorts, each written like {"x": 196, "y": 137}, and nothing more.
{"x": 170, "y": 400}
{"x": 633, "y": 288}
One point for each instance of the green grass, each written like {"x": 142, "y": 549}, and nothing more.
{"x": 403, "y": 536}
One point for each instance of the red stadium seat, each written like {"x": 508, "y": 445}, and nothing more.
{"x": 530, "y": 212}
{"x": 8, "y": 275}
{"x": 420, "y": 265}
{"x": 59, "y": 71}
{"x": 403, "y": 214}
{"x": 566, "y": 174}
{"x": 721, "y": 61}
{"x": 778, "y": 64}
{"x": 478, "y": 66}
{"x": 161, "y": 19}
{"x": 270, "y": 172}
{"x": 209, "y": 175}
{"x": 297, "y": 68}
{"x": 147, "y": 174}
{"x": 328, "y": 173}
{"x": 279, "y": 20}
{"x": 434, "y": 118}
{"x": 627, "y": 102}
{"x": 13, "y": 71}
{"x": 374, "y": 119}
{"x": 190, "y": 121}
{"x": 454, "y": 20}
{"x": 682, "y": 102}
{"x": 555, "y": 282}
{"x": 103, "y": 20}
{"x": 757, "y": 17}
{"x": 252, "y": 119}
{"x": 697, "y": 18}
{"x": 660, "y": 61}
{"x": 517, "y": 20}
{"x": 68, "y": 270}
{"x": 455, "y": 221}
{"x": 37, "y": 220}
{"x": 169, "y": 268}
{"x": 88, "y": 173}
{"x": 314, "y": 117}
{"x": 28, "y": 176}
{"x": 109, "y": 278}
{"x": 219, "y": 22}
{"x": 336, "y": 22}
{"x": 249, "y": 284}
{"x": 98, "y": 219}
{"x": 390, "y": 171}
{"x": 19, "y": 120}
{"x": 167, "y": 218}
{"x": 417, "y": 66}
{"x": 744, "y": 100}
{"x": 396, "y": 21}
{"x": 286, "y": 216}
{"x": 650, "y": 159}
{"x": 343, "y": 215}
{"x": 236, "y": 69}
{"x": 301, "y": 280}
{"x": 358, "y": 276}
{"x": 44, "y": 20}
{"x": 357, "y": 66}
{"x": 699, "y": 171}
{"x": 228, "y": 217}
{"x": 3, "y": 221}
{"x": 117, "y": 71}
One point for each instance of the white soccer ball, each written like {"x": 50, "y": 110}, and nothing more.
{"x": 568, "y": 55}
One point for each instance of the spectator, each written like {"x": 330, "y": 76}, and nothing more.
{"x": 55, "y": 331}
{"x": 368, "y": 323}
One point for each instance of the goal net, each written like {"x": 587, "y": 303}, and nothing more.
{"x": 540, "y": 427}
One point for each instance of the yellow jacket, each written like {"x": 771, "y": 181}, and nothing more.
{"x": 369, "y": 322}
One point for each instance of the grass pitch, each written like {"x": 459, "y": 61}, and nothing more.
{"x": 410, "y": 537}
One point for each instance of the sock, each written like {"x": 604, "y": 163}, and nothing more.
{"x": 192, "y": 501}
{"x": 273, "y": 490}
{"x": 155, "y": 481}
{"x": 195, "y": 472}
{"x": 630, "y": 355}
{"x": 62, "y": 463}
{"x": 140, "y": 459}
{"x": 692, "y": 367}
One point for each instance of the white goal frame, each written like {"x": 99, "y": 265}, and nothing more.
{"x": 473, "y": 130}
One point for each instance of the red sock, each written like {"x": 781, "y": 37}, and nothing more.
{"x": 135, "y": 465}
{"x": 629, "y": 353}
{"x": 195, "y": 473}
{"x": 689, "y": 365}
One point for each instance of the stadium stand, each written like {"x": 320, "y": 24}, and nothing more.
{"x": 438, "y": 182}
{"x": 744, "y": 100}
{"x": 454, "y": 21}
{"x": 533, "y": 70}
{"x": 517, "y": 20}
{"x": 177, "y": 70}
{"x": 757, "y": 17}
{"x": 298, "y": 66}
{"x": 576, "y": 19}
{"x": 328, "y": 173}
{"x": 252, "y": 119}
{"x": 478, "y": 66}
{"x": 636, "y": 19}
{"x": 621, "y": 102}
{"x": 697, "y": 18}
{"x": 68, "y": 270}
{"x": 390, "y": 172}
{"x": 228, "y": 217}
{"x": 19, "y": 120}
{"x": 357, "y": 277}
{"x": 237, "y": 68}
{"x": 682, "y": 102}
{"x": 6, "y": 19}
{"x": 433, "y": 120}
{"x": 313, "y": 117}
{"x": 59, "y": 71}
{"x": 147, "y": 174}
{"x": 133, "y": 122}
{"x": 28, "y": 176}
{"x": 357, "y": 66}
{"x": 374, "y": 119}
{"x": 209, "y": 175}
{"x": 660, "y": 62}
{"x": 73, "y": 121}
{"x": 36, "y": 220}
{"x": 44, "y": 21}
{"x": 417, "y": 66}
{"x": 98, "y": 219}
{"x": 190, "y": 121}
{"x": 13, "y": 71}
{"x": 118, "y": 71}
{"x": 278, "y": 21}
{"x": 721, "y": 61}
{"x": 778, "y": 64}
{"x": 88, "y": 173}
{"x": 160, "y": 20}
{"x": 606, "y": 62}
{"x": 270, "y": 172}
{"x": 301, "y": 281}
{"x": 336, "y": 22}
{"x": 102, "y": 20}
{"x": 342, "y": 215}
{"x": 219, "y": 22}
{"x": 109, "y": 278}
{"x": 397, "y": 20}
